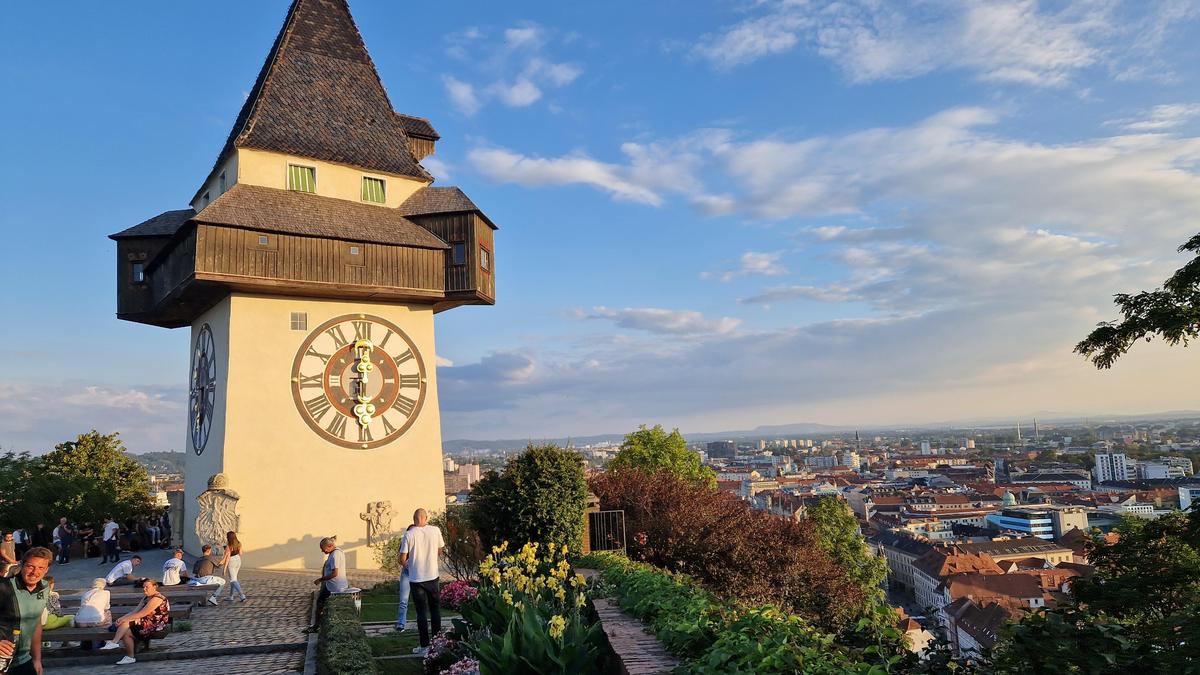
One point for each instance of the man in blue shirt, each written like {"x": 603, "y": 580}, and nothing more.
{"x": 22, "y": 601}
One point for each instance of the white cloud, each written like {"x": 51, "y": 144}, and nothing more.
{"x": 510, "y": 167}
{"x": 1161, "y": 117}
{"x": 1013, "y": 41}
{"x": 35, "y": 416}
{"x": 518, "y": 94}
{"x": 462, "y": 95}
{"x": 752, "y": 263}
{"x": 964, "y": 265}
{"x": 438, "y": 168}
{"x": 666, "y": 321}
{"x": 515, "y": 71}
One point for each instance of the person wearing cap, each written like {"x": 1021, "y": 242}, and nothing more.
{"x": 23, "y": 599}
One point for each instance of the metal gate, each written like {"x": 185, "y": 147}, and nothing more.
{"x": 606, "y": 531}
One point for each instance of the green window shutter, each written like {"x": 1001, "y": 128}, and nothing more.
{"x": 302, "y": 178}
{"x": 373, "y": 190}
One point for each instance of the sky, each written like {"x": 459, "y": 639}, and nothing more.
{"x": 712, "y": 215}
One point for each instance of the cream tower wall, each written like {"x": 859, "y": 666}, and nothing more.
{"x": 198, "y": 468}
{"x": 295, "y": 487}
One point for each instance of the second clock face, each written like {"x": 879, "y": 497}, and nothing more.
{"x": 358, "y": 381}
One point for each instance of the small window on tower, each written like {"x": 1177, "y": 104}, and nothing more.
{"x": 354, "y": 250}
{"x": 299, "y": 320}
{"x": 204, "y": 200}
{"x": 458, "y": 253}
{"x": 302, "y": 178}
{"x": 373, "y": 190}
{"x": 221, "y": 183}
{"x": 263, "y": 240}
{"x": 138, "y": 273}
{"x": 485, "y": 259}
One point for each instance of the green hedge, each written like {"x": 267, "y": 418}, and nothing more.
{"x": 715, "y": 636}
{"x": 341, "y": 644}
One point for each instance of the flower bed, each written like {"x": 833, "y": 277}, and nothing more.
{"x": 528, "y": 615}
{"x": 715, "y": 636}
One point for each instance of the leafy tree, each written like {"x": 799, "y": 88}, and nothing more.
{"x": 17, "y": 472}
{"x": 1171, "y": 312}
{"x": 654, "y": 450}
{"x": 1140, "y": 612}
{"x": 90, "y": 478}
{"x": 464, "y": 551}
{"x": 838, "y": 533}
{"x": 539, "y": 496}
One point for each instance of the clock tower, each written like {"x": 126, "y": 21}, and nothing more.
{"x": 309, "y": 268}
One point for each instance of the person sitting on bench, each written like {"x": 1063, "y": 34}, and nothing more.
{"x": 54, "y": 617}
{"x": 122, "y": 572}
{"x": 204, "y": 573}
{"x": 175, "y": 570}
{"x": 149, "y": 620}
{"x": 94, "y": 607}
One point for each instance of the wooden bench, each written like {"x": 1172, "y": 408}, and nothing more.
{"x": 90, "y": 635}
{"x": 182, "y": 610}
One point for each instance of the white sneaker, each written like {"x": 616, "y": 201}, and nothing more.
{"x": 126, "y": 660}
{"x": 109, "y": 644}
{"x": 243, "y": 599}
{"x": 213, "y": 601}
{"x": 420, "y": 651}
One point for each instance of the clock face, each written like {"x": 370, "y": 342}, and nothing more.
{"x": 358, "y": 381}
{"x": 203, "y": 397}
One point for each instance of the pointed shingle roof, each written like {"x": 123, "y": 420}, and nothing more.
{"x": 163, "y": 225}
{"x": 432, "y": 200}
{"x": 319, "y": 96}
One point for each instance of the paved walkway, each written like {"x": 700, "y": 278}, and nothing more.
{"x": 262, "y": 635}
{"x": 637, "y": 650}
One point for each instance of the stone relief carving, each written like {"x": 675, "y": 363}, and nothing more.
{"x": 218, "y": 512}
{"x": 379, "y": 520}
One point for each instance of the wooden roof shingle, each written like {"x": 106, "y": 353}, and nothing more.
{"x": 319, "y": 96}
{"x": 432, "y": 200}
{"x": 163, "y": 225}
{"x": 290, "y": 212}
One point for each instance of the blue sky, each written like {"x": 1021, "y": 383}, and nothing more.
{"x": 712, "y": 216}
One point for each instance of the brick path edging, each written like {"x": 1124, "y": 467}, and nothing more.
{"x": 638, "y": 652}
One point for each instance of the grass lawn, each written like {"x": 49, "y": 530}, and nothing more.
{"x": 383, "y": 601}
{"x": 399, "y": 666}
{"x": 393, "y": 645}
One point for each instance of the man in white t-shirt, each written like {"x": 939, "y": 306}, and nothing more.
{"x": 111, "y": 552}
{"x": 420, "y": 551}
{"x": 175, "y": 570}
{"x": 122, "y": 573}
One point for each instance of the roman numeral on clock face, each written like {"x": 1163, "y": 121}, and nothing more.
{"x": 307, "y": 381}
{"x": 402, "y": 358}
{"x": 388, "y": 429}
{"x": 339, "y": 337}
{"x": 337, "y": 426}
{"x": 313, "y": 352}
{"x": 362, "y": 330}
{"x": 317, "y": 407}
{"x": 364, "y": 434}
{"x": 410, "y": 381}
{"x": 404, "y": 404}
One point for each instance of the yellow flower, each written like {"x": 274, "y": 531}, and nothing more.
{"x": 556, "y": 626}
{"x": 518, "y": 606}
{"x": 507, "y": 597}
{"x": 495, "y": 577}
{"x": 579, "y": 580}
{"x": 561, "y": 594}
{"x": 564, "y": 549}
{"x": 580, "y": 600}
{"x": 552, "y": 582}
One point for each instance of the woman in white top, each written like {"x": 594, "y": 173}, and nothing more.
{"x": 94, "y": 607}
{"x": 232, "y": 562}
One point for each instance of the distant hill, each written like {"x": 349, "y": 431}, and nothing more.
{"x": 160, "y": 462}
{"x": 815, "y": 429}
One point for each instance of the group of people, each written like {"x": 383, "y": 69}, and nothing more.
{"x": 205, "y": 570}
{"x": 420, "y": 552}
{"x": 104, "y": 540}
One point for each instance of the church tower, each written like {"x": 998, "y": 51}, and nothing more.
{"x": 309, "y": 268}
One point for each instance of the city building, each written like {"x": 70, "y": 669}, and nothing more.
{"x": 721, "y": 449}
{"x": 1025, "y": 547}
{"x": 1111, "y": 466}
{"x": 1044, "y": 521}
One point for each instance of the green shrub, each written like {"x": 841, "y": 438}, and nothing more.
{"x": 539, "y": 496}
{"x": 342, "y": 645}
{"x": 716, "y": 636}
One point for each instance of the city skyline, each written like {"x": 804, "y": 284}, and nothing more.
{"x": 837, "y": 214}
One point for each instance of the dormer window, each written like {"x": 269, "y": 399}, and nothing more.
{"x": 302, "y": 178}
{"x": 137, "y": 273}
{"x": 204, "y": 200}
{"x": 373, "y": 190}
{"x": 485, "y": 259}
{"x": 221, "y": 183}
{"x": 458, "y": 253}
